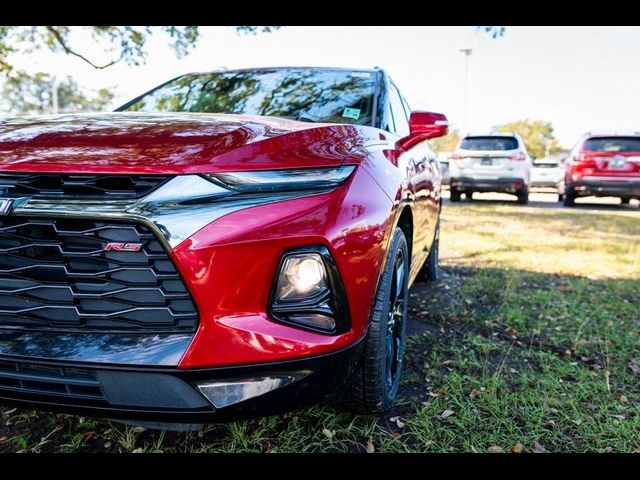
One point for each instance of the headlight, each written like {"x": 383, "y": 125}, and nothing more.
{"x": 308, "y": 291}
{"x": 283, "y": 180}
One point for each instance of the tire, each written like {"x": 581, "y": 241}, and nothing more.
{"x": 624, "y": 201}
{"x": 373, "y": 386}
{"x": 469, "y": 195}
{"x": 455, "y": 195}
{"x": 569, "y": 197}
{"x": 430, "y": 269}
{"x": 523, "y": 197}
{"x": 560, "y": 197}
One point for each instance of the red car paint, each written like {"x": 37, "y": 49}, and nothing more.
{"x": 139, "y": 143}
{"x": 229, "y": 266}
{"x": 236, "y": 257}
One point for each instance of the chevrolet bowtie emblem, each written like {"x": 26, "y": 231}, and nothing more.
{"x": 6, "y": 204}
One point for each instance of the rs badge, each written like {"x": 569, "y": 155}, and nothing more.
{"x": 6, "y": 204}
{"x": 124, "y": 247}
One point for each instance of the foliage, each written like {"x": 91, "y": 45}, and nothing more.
{"x": 25, "y": 94}
{"x": 537, "y": 134}
{"x": 495, "y": 32}
{"x": 125, "y": 43}
{"x": 447, "y": 143}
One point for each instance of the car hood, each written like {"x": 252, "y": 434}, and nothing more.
{"x": 172, "y": 143}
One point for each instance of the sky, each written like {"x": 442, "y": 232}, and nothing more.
{"x": 578, "y": 78}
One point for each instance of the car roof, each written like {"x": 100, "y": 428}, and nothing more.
{"x": 301, "y": 67}
{"x": 492, "y": 134}
{"x": 612, "y": 133}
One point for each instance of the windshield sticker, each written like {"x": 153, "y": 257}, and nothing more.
{"x": 351, "y": 113}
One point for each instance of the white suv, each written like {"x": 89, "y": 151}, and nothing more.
{"x": 495, "y": 162}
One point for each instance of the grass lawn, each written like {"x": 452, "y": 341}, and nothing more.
{"x": 530, "y": 342}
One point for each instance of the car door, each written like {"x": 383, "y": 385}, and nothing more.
{"x": 416, "y": 164}
{"x": 428, "y": 181}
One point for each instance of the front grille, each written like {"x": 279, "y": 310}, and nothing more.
{"x": 56, "y": 273}
{"x": 79, "y": 186}
{"x": 38, "y": 379}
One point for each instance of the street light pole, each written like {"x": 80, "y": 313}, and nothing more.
{"x": 467, "y": 53}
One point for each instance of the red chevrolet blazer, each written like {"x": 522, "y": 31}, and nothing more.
{"x": 228, "y": 244}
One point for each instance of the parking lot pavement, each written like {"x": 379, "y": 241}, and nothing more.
{"x": 550, "y": 200}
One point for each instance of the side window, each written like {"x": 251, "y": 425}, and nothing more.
{"x": 399, "y": 114}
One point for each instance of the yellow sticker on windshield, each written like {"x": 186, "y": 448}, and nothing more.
{"x": 351, "y": 113}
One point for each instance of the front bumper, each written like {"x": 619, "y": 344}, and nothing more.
{"x": 607, "y": 188}
{"x": 500, "y": 184}
{"x": 167, "y": 395}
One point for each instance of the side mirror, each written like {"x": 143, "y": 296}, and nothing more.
{"x": 425, "y": 125}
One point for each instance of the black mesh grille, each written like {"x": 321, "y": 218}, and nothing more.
{"x": 57, "y": 273}
{"x": 68, "y": 382}
{"x": 79, "y": 186}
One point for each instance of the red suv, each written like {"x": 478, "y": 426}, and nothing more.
{"x": 227, "y": 244}
{"x": 604, "y": 165}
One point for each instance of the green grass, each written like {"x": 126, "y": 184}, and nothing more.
{"x": 530, "y": 342}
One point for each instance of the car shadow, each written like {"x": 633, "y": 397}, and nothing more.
{"x": 586, "y": 204}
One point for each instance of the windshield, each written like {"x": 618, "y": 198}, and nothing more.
{"x": 489, "y": 143}
{"x": 612, "y": 144}
{"x": 312, "y": 95}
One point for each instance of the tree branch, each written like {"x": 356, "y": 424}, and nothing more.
{"x": 68, "y": 50}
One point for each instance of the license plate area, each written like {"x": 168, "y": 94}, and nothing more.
{"x": 618, "y": 164}
{"x": 486, "y": 162}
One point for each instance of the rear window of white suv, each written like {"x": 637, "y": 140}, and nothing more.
{"x": 612, "y": 144}
{"x": 489, "y": 143}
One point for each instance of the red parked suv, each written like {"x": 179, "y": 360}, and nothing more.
{"x": 604, "y": 165}
{"x": 228, "y": 244}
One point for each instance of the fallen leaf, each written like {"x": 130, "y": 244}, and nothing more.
{"x": 328, "y": 433}
{"x": 394, "y": 419}
{"x": 474, "y": 394}
{"x": 400, "y": 423}
{"x": 138, "y": 450}
{"x": 608, "y": 450}
{"x": 447, "y": 413}
{"x": 517, "y": 448}
{"x": 621, "y": 396}
{"x": 9, "y": 412}
{"x": 89, "y": 435}
{"x": 395, "y": 435}
{"x": 537, "y": 448}
{"x": 511, "y": 331}
{"x": 138, "y": 429}
{"x": 370, "y": 447}
{"x": 634, "y": 366}
{"x": 494, "y": 449}
{"x": 107, "y": 445}
{"x": 577, "y": 421}
{"x": 619, "y": 417}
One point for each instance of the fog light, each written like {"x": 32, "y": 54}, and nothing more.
{"x": 301, "y": 276}
{"x": 223, "y": 393}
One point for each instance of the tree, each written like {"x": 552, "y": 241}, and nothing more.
{"x": 495, "y": 32}
{"x": 124, "y": 42}
{"x": 447, "y": 143}
{"x": 25, "y": 94}
{"x": 538, "y": 136}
